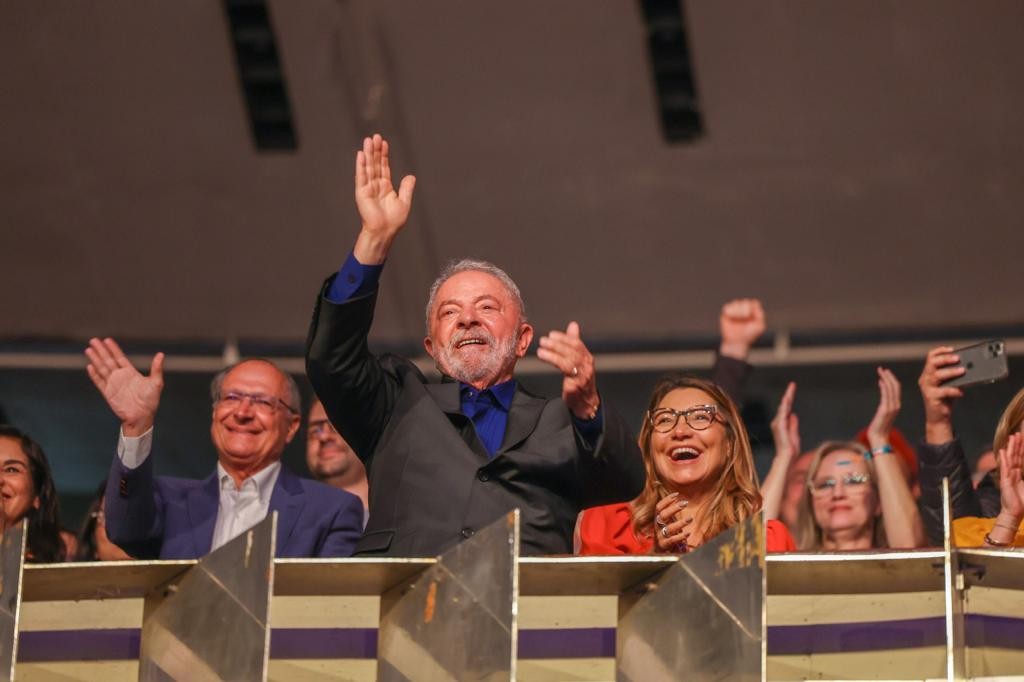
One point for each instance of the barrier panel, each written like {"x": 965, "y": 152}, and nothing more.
{"x": 211, "y": 622}
{"x": 722, "y": 612}
{"x": 12, "y": 559}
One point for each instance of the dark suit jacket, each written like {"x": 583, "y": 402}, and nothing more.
{"x": 431, "y": 482}
{"x": 173, "y": 518}
{"x": 949, "y": 460}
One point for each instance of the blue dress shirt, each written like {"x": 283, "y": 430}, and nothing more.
{"x": 488, "y": 410}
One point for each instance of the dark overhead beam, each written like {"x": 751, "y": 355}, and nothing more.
{"x": 260, "y": 75}
{"x": 674, "y": 84}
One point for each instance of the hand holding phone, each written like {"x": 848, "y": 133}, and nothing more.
{"x": 983, "y": 363}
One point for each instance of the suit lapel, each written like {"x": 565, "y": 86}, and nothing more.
{"x": 522, "y": 419}
{"x": 203, "y": 502}
{"x": 446, "y": 395}
{"x": 287, "y": 500}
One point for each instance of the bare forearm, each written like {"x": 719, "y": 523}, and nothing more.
{"x": 903, "y": 526}
{"x": 774, "y": 485}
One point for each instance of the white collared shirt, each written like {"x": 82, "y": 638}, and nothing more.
{"x": 238, "y": 510}
{"x": 241, "y": 509}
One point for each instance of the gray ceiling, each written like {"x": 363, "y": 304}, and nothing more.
{"x": 862, "y": 166}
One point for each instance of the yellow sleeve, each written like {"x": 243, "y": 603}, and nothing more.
{"x": 970, "y": 531}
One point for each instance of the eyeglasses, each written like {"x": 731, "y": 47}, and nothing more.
{"x": 854, "y": 483}
{"x": 321, "y": 427}
{"x": 699, "y": 418}
{"x": 264, "y": 404}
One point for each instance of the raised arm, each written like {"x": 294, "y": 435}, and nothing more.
{"x": 903, "y": 527}
{"x": 134, "y": 398}
{"x": 612, "y": 469}
{"x": 786, "y": 434}
{"x": 941, "y": 455}
{"x": 383, "y": 210}
{"x": 740, "y": 324}
{"x": 354, "y": 388}
{"x": 133, "y": 520}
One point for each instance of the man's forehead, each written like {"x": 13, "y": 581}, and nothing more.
{"x": 254, "y": 372}
{"x": 472, "y": 284}
{"x": 317, "y": 411}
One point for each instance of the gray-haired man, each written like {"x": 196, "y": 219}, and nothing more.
{"x": 446, "y": 459}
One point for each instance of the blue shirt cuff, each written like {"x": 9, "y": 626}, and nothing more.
{"x": 354, "y": 280}
{"x": 589, "y": 429}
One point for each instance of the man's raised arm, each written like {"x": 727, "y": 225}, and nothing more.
{"x": 346, "y": 378}
{"x": 131, "y": 512}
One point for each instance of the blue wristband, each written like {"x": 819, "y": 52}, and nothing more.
{"x": 882, "y": 450}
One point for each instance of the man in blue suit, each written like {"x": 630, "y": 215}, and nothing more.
{"x": 255, "y": 415}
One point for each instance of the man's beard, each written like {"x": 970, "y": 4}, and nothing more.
{"x": 488, "y": 365}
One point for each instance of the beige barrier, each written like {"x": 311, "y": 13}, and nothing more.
{"x": 456, "y": 617}
{"x": 484, "y": 613}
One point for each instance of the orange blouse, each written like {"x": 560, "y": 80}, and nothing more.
{"x": 609, "y": 530}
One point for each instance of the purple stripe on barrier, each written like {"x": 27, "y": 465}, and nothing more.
{"x": 117, "y": 644}
{"x": 361, "y": 643}
{"x": 323, "y": 643}
{"x": 994, "y": 631}
{"x": 824, "y": 638}
{"x": 567, "y": 643}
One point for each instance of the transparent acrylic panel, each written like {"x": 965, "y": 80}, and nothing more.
{"x": 213, "y": 622}
{"x": 12, "y": 560}
{"x": 702, "y": 618}
{"x": 456, "y": 620}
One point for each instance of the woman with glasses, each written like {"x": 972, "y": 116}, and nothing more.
{"x": 700, "y": 477}
{"x": 27, "y": 492}
{"x": 857, "y": 498}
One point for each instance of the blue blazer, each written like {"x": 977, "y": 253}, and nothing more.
{"x": 173, "y": 518}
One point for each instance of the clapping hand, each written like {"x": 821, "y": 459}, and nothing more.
{"x": 786, "y": 426}
{"x": 1011, "y": 483}
{"x": 566, "y": 352}
{"x": 888, "y": 407}
{"x": 134, "y": 398}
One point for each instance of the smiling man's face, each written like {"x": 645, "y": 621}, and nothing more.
{"x": 247, "y": 433}
{"x": 476, "y": 329}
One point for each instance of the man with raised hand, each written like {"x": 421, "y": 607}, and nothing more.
{"x": 255, "y": 415}
{"x": 448, "y": 458}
